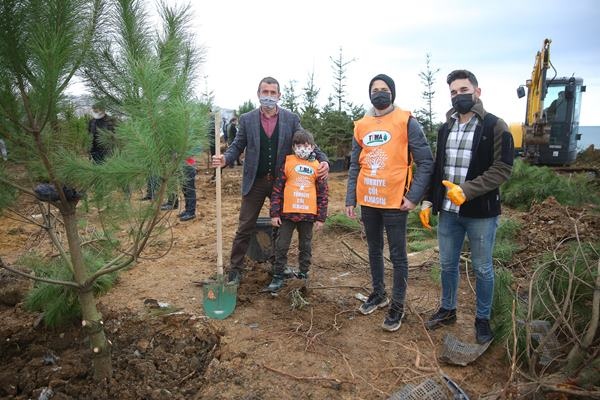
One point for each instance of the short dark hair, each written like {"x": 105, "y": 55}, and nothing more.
{"x": 303, "y": 136}
{"x": 462, "y": 74}
{"x": 269, "y": 80}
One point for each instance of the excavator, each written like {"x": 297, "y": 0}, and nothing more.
{"x": 549, "y": 134}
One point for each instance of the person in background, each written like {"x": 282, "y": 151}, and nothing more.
{"x": 474, "y": 157}
{"x": 386, "y": 142}
{"x": 188, "y": 187}
{"x": 266, "y": 135}
{"x": 3, "y": 151}
{"x": 99, "y": 124}
{"x": 231, "y": 134}
{"x": 298, "y": 202}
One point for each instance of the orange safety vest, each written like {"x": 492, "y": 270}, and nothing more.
{"x": 385, "y": 165}
{"x": 300, "y": 193}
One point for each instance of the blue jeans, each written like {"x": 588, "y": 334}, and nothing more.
{"x": 394, "y": 222}
{"x": 482, "y": 234}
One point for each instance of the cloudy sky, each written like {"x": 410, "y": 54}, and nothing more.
{"x": 497, "y": 40}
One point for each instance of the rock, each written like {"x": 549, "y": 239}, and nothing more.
{"x": 142, "y": 345}
{"x": 145, "y": 368}
{"x": 160, "y": 394}
{"x": 43, "y": 394}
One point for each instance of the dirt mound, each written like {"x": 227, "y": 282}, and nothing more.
{"x": 549, "y": 224}
{"x": 589, "y": 157}
{"x": 154, "y": 357}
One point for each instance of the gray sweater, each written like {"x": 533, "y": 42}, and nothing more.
{"x": 421, "y": 153}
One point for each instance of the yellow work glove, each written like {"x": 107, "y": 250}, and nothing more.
{"x": 455, "y": 193}
{"x": 425, "y": 213}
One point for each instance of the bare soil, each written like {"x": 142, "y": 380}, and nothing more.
{"x": 265, "y": 349}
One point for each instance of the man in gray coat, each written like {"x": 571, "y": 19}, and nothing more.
{"x": 266, "y": 135}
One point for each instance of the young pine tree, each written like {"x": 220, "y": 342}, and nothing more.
{"x": 146, "y": 79}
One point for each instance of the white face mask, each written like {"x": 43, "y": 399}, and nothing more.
{"x": 98, "y": 115}
{"x": 303, "y": 151}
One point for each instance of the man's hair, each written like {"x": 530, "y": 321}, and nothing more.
{"x": 268, "y": 80}
{"x": 302, "y": 137}
{"x": 462, "y": 74}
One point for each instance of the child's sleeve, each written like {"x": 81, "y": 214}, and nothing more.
{"x": 322, "y": 199}
{"x": 277, "y": 194}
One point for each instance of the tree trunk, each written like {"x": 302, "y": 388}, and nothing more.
{"x": 92, "y": 319}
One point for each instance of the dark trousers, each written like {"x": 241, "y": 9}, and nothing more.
{"x": 394, "y": 222}
{"x": 249, "y": 212}
{"x": 152, "y": 184}
{"x": 98, "y": 156}
{"x": 189, "y": 188}
{"x": 282, "y": 245}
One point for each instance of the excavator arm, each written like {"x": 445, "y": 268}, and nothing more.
{"x": 537, "y": 89}
{"x": 536, "y": 129}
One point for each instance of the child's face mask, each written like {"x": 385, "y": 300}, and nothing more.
{"x": 303, "y": 150}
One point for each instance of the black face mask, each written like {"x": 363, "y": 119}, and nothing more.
{"x": 381, "y": 100}
{"x": 463, "y": 103}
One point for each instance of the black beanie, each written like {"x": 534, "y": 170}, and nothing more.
{"x": 389, "y": 81}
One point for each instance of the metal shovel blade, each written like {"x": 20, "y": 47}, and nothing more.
{"x": 219, "y": 298}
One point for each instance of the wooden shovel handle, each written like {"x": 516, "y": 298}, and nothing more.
{"x": 218, "y": 192}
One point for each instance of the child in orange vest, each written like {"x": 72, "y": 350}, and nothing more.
{"x": 298, "y": 201}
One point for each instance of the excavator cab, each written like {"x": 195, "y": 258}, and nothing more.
{"x": 563, "y": 97}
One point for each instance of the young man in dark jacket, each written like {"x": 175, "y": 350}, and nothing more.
{"x": 474, "y": 157}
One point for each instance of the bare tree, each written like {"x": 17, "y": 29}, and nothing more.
{"x": 289, "y": 98}
{"x": 339, "y": 76}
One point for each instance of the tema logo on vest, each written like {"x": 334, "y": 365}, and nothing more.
{"x": 304, "y": 169}
{"x": 376, "y": 138}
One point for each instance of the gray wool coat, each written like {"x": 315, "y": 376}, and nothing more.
{"x": 248, "y": 138}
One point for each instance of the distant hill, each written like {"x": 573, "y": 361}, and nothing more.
{"x": 589, "y": 135}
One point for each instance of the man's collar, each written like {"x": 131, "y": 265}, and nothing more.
{"x": 262, "y": 112}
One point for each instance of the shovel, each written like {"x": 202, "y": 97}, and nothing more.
{"x": 219, "y": 296}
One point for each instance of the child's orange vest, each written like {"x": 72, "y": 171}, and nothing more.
{"x": 300, "y": 193}
{"x": 385, "y": 165}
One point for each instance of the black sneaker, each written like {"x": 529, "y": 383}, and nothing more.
{"x": 302, "y": 275}
{"x": 483, "y": 331}
{"x": 394, "y": 317}
{"x": 169, "y": 206}
{"x": 275, "y": 285}
{"x": 375, "y": 301}
{"x": 441, "y": 317}
{"x": 288, "y": 272}
{"x": 234, "y": 276}
{"x": 186, "y": 216}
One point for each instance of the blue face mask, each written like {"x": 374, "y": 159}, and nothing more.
{"x": 268, "y": 102}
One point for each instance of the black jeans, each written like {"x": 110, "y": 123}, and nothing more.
{"x": 251, "y": 205}
{"x": 282, "y": 244}
{"x": 394, "y": 222}
{"x": 189, "y": 188}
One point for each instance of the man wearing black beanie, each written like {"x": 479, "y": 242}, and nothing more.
{"x": 386, "y": 142}
{"x": 388, "y": 81}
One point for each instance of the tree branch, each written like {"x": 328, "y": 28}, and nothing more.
{"x": 18, "y": 187}
{"x": 39, "y": 279}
